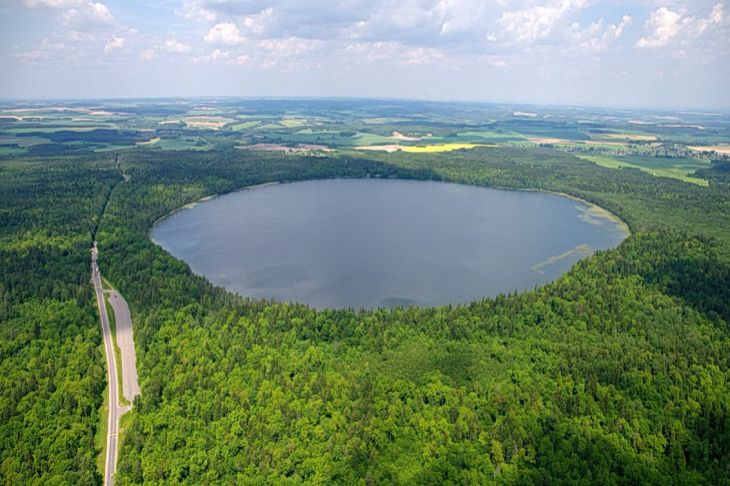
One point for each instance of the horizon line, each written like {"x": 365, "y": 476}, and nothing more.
{"x": 676, "y": 109}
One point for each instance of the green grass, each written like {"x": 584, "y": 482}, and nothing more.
{"x": 293, "y": 122}
{"x": 330, "y": 137}
{"x": 125, "y": 423}
{"x": 164, "y": 144}
{"x": 256, "y": 117}
{"x": 11, "y": 150}
{"x": 243, "y": 125}
{"x": 270, "y": 126}
{"x": 383, "y": 120}
{"x": 71, "y": 127}
{"x": 597, "y": 145}
{"x": 676, "y": 168}
{"x": 310, "y": 131}
{"x": 567, "y": 133}
{"x": 107, "y": 147}
{"x": 620, "y": 135}
{"x": 490, "y": 136}
{"x": 181, "y": 144}
{"x": 363, "y": 139}
{"x": 210, "y": 112}
{"x": 101, "y": 431}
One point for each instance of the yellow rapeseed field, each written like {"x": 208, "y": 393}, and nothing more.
{"x": 442, "y": 147}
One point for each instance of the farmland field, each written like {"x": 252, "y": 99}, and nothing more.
{"x": 677, "y": 168}
{"x": 604, "y": 138}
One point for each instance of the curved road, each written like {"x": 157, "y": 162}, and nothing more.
{"x": 115, "y": 410}
{"x": 125, "y": 341}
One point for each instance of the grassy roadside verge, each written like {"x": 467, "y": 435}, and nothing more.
{"x": 124, "y": 425}
{"x": 101, "y": 431}
{"x": 105, "y": 284}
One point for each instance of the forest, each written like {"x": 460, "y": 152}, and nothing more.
{"x": 616, "y": 373}
{"x": 52, "y": 372}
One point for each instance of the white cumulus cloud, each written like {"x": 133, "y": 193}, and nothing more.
{"x": 175, "y": 46}
{"x": 665, "y": 25}
{"x": 534, "y": 23}
{"x": 225, "y": 33}
{"x": 422, "y": 55}
{"x": 615, "y": 31}
{"x": 213, "y": 56}
{"x": 596, "y": 37}
{"x": 115, "y": 43}
{"x": 148, "y": 55}
{"x": 716, "y": 16}
{"x": 240, "y": 60}
{"x": 86, "y": 15}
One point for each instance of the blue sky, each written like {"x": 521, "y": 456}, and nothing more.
{"x": 655, "y": 53}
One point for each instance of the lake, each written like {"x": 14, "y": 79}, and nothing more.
{"x": 366, "y": 243}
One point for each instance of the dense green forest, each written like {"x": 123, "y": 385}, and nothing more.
{"x": 52, "y": 373}
{"x": 616, "y": 373}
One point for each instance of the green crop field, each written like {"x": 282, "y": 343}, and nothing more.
{"x": 677, "y": 168}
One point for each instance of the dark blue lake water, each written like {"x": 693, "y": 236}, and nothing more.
{"x": 372, "y": 243}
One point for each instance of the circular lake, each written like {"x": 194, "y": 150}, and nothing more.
{"x": 382, "y": 243}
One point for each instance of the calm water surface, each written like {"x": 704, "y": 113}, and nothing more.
{"x": 372, "y": 243}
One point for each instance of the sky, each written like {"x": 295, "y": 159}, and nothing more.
{"x": 642, "y": 53}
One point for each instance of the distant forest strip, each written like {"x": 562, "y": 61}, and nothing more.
{"x": 617, "y": 372}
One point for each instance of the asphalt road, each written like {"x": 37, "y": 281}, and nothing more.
{"x": 125, "y": 341}
{"x": 115, "y": 411}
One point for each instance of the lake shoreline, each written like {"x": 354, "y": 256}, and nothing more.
{"x": 304, "y": 274}
{"x": 209, "y": 197}
{"x": 591, "y": 206}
